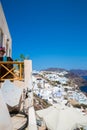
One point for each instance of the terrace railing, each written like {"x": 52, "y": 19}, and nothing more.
{"x": 12, "y": 70}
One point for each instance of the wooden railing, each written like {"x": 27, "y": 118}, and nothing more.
{"x": 12, "y": 70}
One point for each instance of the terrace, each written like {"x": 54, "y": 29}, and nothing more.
{"x": 14, "y": 71}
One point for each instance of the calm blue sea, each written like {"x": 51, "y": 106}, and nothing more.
{"x": 84, "y": 77}
{"x": 84, "y": 88}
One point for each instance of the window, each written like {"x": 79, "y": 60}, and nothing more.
{"x": 1, "y": 38}
{"x": 9, "y": 52}
{"x": 6, "y": 48}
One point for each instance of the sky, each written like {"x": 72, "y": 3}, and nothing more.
{"x": 53, "y": 33}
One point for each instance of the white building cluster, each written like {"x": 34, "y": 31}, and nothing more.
{"x": 59, "y": 93}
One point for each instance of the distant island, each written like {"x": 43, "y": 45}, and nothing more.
{"x": 79, "y": 72}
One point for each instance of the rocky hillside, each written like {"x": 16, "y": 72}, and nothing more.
{"x": 75, "y": 79}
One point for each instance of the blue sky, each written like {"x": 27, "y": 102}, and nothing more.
{"x": 53, "y": 33}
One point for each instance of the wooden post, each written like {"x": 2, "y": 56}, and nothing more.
{"x": 20, "y": 71}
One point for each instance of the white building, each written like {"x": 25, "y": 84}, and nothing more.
{"x": 5, "y": 37}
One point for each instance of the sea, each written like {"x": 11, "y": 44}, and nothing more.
{"x": 84, "y": 88}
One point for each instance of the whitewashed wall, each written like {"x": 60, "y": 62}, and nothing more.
{"x": 5, "y": 30}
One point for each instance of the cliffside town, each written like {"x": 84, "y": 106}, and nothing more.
{"x": 52, "y": 87}
{"x": 55, "y": 77}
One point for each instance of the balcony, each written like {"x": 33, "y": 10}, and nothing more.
{"x": 12, "y": 70}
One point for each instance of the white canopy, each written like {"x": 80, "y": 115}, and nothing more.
{"x": 62, "y": 118}
{"x": 11, "y": 93}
